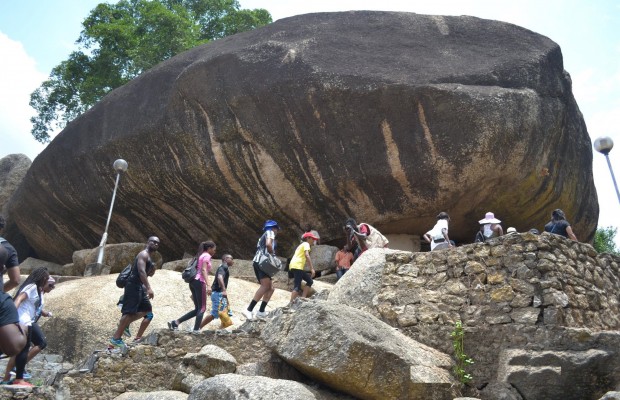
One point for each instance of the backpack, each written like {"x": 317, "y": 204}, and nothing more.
{"x": 480, "y": 238}
{"x": 123, "y": 277}
{"x": 189, "y": 273}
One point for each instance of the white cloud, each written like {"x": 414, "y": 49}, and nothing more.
{"x": 18, "y": 78}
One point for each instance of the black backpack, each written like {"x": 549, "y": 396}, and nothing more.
{"x": 189, "y": 273}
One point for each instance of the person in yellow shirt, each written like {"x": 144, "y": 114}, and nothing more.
{"x": 298, "y": 262}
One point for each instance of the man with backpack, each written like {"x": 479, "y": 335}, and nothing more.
{"x": 137, "y": 293}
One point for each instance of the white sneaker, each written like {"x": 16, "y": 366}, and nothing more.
{"x": 261, "y": 314}
{"x": 247, "y": 314}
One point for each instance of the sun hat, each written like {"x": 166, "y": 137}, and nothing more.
{"x": 309, "y": 235}
{"x": 511, "y": 230}
{"x": 270, "y": 224}
{"x": 489, "y": 218}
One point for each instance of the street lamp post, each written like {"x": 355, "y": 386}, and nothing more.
{"x": 120, "y": 166}
{"x": 604, "y": 145}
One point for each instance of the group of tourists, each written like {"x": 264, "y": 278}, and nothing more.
{"x": 490, "y": 227}
{"x": 18, "y": 315}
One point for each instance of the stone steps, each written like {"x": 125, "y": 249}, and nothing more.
{"x": 43, "y": 368}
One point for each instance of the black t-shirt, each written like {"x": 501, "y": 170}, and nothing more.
{"x": 135, "y": 274}
{"x": 222, "y": 270}
{"x": 558, "y": 227}
{"x": 12, "y": 260}
{"x": 8, "y": 312}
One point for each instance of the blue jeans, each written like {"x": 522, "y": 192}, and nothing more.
{"x": 216, "y": 298}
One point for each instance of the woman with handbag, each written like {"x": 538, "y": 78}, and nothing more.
{"x": 199, "y": 287}
{"x": 266, "y": 245}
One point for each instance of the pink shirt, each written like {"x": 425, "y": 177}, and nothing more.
{"x": 204, "y": 258}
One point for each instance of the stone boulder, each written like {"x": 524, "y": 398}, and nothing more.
{"x": 361, "y": 285}
{"x": 239, "y": 387}
{"x": 210, "y": 361}
{"x": 323, "y": 258}
{"x": 31, "y": 263}
{"x": 385, "y": 116}
{"x": 176, "y": 265}
{"x": 328, "y": 342}
{"x": 13, "y": 169}
{"x": 274, "y": 367}
{"x": 548, "y": 374}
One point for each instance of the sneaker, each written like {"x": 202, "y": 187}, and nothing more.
{"x": 261, "y": 314}
{"x": 127, "y": 332}
{"x": 173, "y": 326}
{"x": 230, "y": 312}
{"x": 27, "y": 374}
{"x": 116, "y": 344}
{"x": 21, "y": 383}
{"x": 137, "y": 340}
{"x": 247, "y": 314}
{"x": 195, "y": 332}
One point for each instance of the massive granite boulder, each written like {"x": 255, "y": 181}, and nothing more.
{"x": 387, "y": 117}
{"x": 13, "y": 169}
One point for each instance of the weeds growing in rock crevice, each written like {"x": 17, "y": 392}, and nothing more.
{"x": 462, "y": 360}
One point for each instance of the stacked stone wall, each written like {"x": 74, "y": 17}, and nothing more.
{"x": 525, "y": 291}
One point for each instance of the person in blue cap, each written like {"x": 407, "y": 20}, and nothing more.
{"x": 266, "y": 244}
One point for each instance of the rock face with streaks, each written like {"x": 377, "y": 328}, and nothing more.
{"x": 13, "y": 169}
{"x": 387, "y": 117}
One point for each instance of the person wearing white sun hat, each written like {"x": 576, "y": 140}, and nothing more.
{"x": 489, "y": 228}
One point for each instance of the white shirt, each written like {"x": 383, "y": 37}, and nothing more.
{"x": 269, "y": 234}
{"x": 27, "y": 308}
{"x": 436, "y": 232}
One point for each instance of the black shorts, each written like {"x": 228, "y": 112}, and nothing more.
{"x": 135, "y": 299}
{"x": 259, "y": 273}
{"x": 8, "y": 312}
{"x": 300, "y": 275}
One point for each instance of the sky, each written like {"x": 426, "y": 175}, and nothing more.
{"x": 36, "y": 35}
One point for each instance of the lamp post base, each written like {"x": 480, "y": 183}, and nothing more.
{"x": 97, "y": 269}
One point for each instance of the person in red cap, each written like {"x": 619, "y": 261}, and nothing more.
{"x": 297, "y": 264}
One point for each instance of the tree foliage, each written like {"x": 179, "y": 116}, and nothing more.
{"x": 120, "y": 41}
{"x": 604, "y": 240}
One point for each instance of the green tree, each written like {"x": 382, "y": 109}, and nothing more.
{"x": 604, "y": 240}
{"x": 120, "y": 41}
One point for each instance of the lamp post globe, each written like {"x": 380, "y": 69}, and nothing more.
{"x": 120, "y": 165}
{"x": 603, "y": 145}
